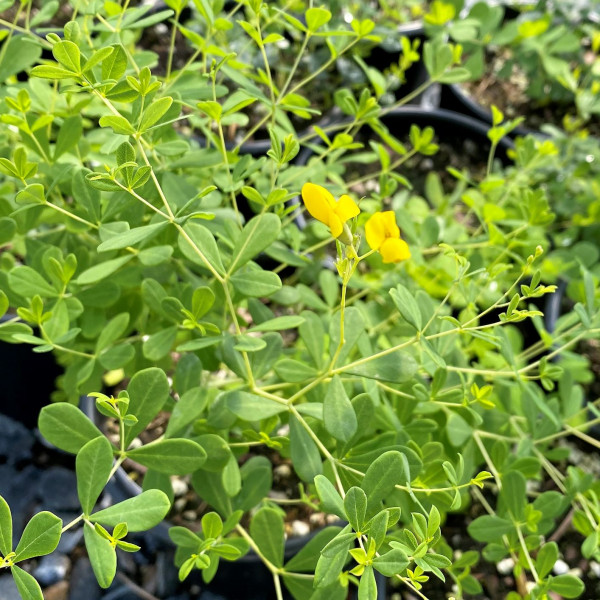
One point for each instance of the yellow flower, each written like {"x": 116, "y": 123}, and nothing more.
{"x": 383, "y": 234}
{"x": 324, "y": 207}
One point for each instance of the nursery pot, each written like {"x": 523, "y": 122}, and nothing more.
{"x": 247, "y": 577}
{"x": 449, "y": 127}
{"x": 27, "y": 381}
{"x": 455, "y": 97}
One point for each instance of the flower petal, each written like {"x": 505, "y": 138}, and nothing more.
{"x": 346, "y": 208}
{"x": 318, "y": 201}
{"x": 375, "y": 231}
{"x": 389, "y": 220}
{"x": 394, "y": 250}
{"x": 336, "y": 225}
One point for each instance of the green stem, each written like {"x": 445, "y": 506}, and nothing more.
{"x": 72, "y": 523}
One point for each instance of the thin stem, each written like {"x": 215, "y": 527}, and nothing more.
{"x": 72, "y": 523}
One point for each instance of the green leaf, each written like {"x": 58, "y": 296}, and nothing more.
{"x": 279, "y": 323}
{"x": 567, "y": 586}
{"x": 40, "y": 537}
{"x": 392, "y": 562}
{"x": 132, "y": 237}
{"x": 102, "y": 555}
{"x": 258, "y": 234}
{"x": 330, "y": 499}
{"x": 113, "y": 330}
{"x": 8, "y": 227}
{"x": 18, "y": 54}
{"x": 209, "y": 486}
{"x": 65, "y": 426}
{"x": 68, "y": 135}
{"x": 103, "y": 270}
{"x": 93, "y": 465}
{"x": 514, "y": 494}
{"x": 159, "y": 344}
{"x": 304, "y": 452}
{"x": 256, "y": 283}
{"x": 27, "y": 585}
{"x": 396, "y": 367}
{"x": 68, "y": 55}
{"x": 458, "y": 430}
{"x": 51, "y": 72}
{"x": 294, "y": 371}
{"x": 118, "y": 124}
{"x": 4, "y": 303}
{"x": 316, "y": 18}
{"x": 5, "y": 528}
{"x": 115, "y": 65}
{"x": 182, "y": 536}
{"x": 546, "y": 559}
{"x": 212, "y": 525}
{"x": 407, "y": 306}
{"x": 190, "y": 407}
{"x": 266, "y": 529}
{"x": 173, "y": 457}
{"x": 139, "y": 513}
{"x": 313, "y": 336}
{"x": 382, "y": 475}
{"x": 87, "y": 196}
{"x": 367, "y": 588}
{"x": 489, "y": 528}
{"x": 257, "y": 481}
{"x": 27, "y": 282}
{"x": 117, "y": 356}
{"x": 97, "y": 57}
{"x": 338, "y": 414}
{"x": 204, "y": 240}
{"x": 154, "y": 113}
{"x": 306, "y": 559}
{"x": 355, "y": 507}
{"x": 148, "y": 391}
{"x": 32, "y": 194}
{"x": 251, "y": 407}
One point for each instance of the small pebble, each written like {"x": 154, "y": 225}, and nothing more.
{"x": 283, "y": 471}
{"x": 136, "y": 443}
{"x": 179, "y": 504}
{"x": 505, "y": 566}
{"x": 560, "y": 567}
{"x": 595, "y": 567}
{"x": 58, "y": 591}
{"x": 51, "y": 569}
{"x": 277, "y": 495}
{"x": 180, "y": 487}
{"x": 316, "y": 518}
{"x": 300, "y": 528}
{"x": 189, "y": 515}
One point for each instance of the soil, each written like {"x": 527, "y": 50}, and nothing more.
{"x": 510, "y": 96}
{"x": 188, "y": 508}
{"x": 463, "y": 154}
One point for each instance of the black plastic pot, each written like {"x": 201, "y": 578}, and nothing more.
{"x": 247, "y": 577}
{"x": 28, "y": 380}
{"x": 454, "y": 97}
{"x": 449, "y": 127}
